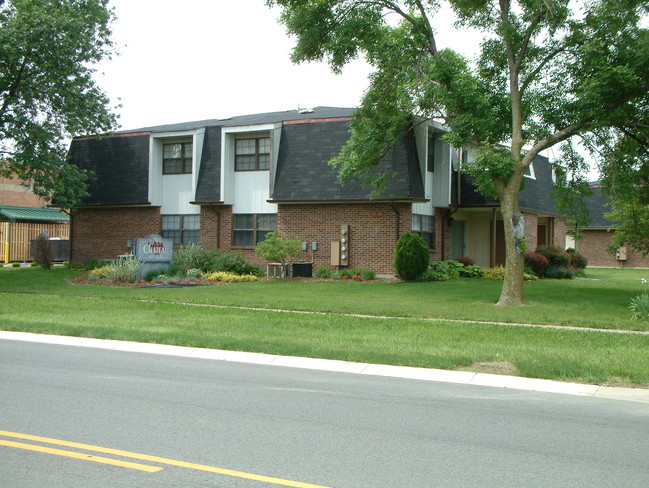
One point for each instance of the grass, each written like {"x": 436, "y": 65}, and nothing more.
{"x": 40, "y": 301}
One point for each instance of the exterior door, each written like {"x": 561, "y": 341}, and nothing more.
{"x": 458, "y": 239}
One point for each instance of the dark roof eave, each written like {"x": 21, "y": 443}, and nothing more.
{"x": 115, "y": 205}
{"x": 353, "y": 200}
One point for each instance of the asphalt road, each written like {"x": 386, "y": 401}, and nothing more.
{"x": 293, "y": 427}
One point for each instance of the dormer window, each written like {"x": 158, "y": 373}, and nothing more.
{"x": 177, "y": 157}
{"x": 252, "y": 154}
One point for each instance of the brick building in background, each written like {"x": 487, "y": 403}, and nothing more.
{"x": 227, "y": 183}
{"x": 23, "y": 218}
{"x": 597, "y": 237}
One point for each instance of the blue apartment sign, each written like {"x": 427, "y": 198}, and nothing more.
{"x": 154, "y": 249}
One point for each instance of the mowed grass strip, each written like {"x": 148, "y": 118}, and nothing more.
{"x": 582, "y": 356}
{"x": 599, "y": 302}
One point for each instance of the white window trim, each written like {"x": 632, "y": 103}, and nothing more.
{"x": 228, "y": 136}
{"x": 156, "y": 141}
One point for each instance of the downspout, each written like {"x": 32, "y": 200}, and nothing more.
{"x": 446, "y": 220}
{"x": 397, "y": 221}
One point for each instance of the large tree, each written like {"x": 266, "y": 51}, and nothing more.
{"x": 547, "y": 71}
{"x": 47, "y": 92}
{"x": 624, "y": 166}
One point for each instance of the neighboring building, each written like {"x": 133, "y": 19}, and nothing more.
{"x": 23, "y": 218}
{"x": 597, "y": 237}
{"x": 15, "y": 194}
{"x": 226, "y": 183}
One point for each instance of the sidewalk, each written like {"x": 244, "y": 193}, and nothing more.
{"x": 424, "y": 374}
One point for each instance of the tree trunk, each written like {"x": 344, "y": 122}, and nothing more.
{"x": 514, "y": 224}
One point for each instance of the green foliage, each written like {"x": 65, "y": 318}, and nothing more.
{"x": 555, "y": 255}
{"x": 537, "y": 262}
{"x": 236, "y": 263}
{"x": 639, "y": 307}
{"x": 188, "y": 257}
{"x": 559, "y": 272}
{"x": 324, "y": 272}
{"x": 226, "y": 277}
{"x": 48, "y": 93}
{"x": 124, "y": 270}
{"x": 577, "y": 261}
{"x": 546, "y": 74}
{"x": 411, "y": 256}
{"x": 495, "y": 273}
{"x": 92, "y": 263}
{"x": 471, "y": 271}
{"x": 277, "y": 249}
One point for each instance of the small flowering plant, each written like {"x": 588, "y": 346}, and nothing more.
{"x": 639, "y": 305}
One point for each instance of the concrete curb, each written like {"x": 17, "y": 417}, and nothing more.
{"x": 424, "y": 374}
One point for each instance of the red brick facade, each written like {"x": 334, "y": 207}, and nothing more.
{"x": 374, "y": 229}
{"x": 594, "y": 245}
{"x": 103, "y": 233}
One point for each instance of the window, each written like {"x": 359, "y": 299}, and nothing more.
{"x": 529, "y": 172}
{"x": 183, "y": 229}
{"x": 177, "y": 158}
{"x": 423, "y": 225}
{"x": 251, "y": 229}
{"x": 252, "y": 154}
{"x": 431, "y": 154}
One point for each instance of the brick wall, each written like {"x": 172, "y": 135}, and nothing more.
{"x": 531, "y": 231}
{"x": 13, "y": 193}
{"x": 102, "y": 233}
{"x": 373, "y": 231}
{"x": 594, "y": 248}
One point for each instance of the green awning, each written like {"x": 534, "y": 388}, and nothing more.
{"x": 20, "y": 214}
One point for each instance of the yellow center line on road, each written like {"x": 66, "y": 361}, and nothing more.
{"x": 155, "y": 459}
{"x": 84, "y": 457}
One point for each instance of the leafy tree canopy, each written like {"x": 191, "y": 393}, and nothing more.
{"x": 47, "y": 94}
{"x": 548, "y": 71}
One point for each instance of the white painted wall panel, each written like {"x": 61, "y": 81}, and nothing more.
{"x": 251, "y": 192}
{"x": 177, "y": 192}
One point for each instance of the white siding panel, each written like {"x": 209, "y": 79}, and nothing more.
{"x": 177, "y": 192}
{"x": 251, "y": 192}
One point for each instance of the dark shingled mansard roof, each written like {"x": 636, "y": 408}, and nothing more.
{"x": 120, "y": 161}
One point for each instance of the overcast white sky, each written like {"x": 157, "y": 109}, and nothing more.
{"x": 206, "y": 59}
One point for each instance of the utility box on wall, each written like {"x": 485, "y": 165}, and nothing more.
{"x": 340, "y": 249}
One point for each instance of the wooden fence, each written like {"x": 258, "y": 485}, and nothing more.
{"x": 18, "y": 235}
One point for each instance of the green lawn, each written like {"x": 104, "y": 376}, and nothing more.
{"x": 36, "y": 300}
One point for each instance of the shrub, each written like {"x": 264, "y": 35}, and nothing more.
{"x": 495, "y": 273}
{"x": 15, "y": 265}
{"x": 187, "y": 257}
{"x": 639, "y": 307}
{"x": 537, "y": 262}
{"x": 155, "y": 273}
{"x": 100, "y": 272}
{"x": 471, "y": 271}
{"x": 277, "y": 249}
{"x": 324, "y": 272}
{"x": 430, "y": 275}
{"x": 124, "y": 270}
{"x": 91, "y": 263}
{"x": 234, "y": 262}
{"x": 577, "y": 261}
{"x": 559, "y": 272}
{"x": 226, "y": 277}
{"x": 555, "y": 255}
{"x": 450, "y": 268}
{"x": 410, "y": 256}
{"x": 465, "y": 260}
{"x": 43, "y": 255}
